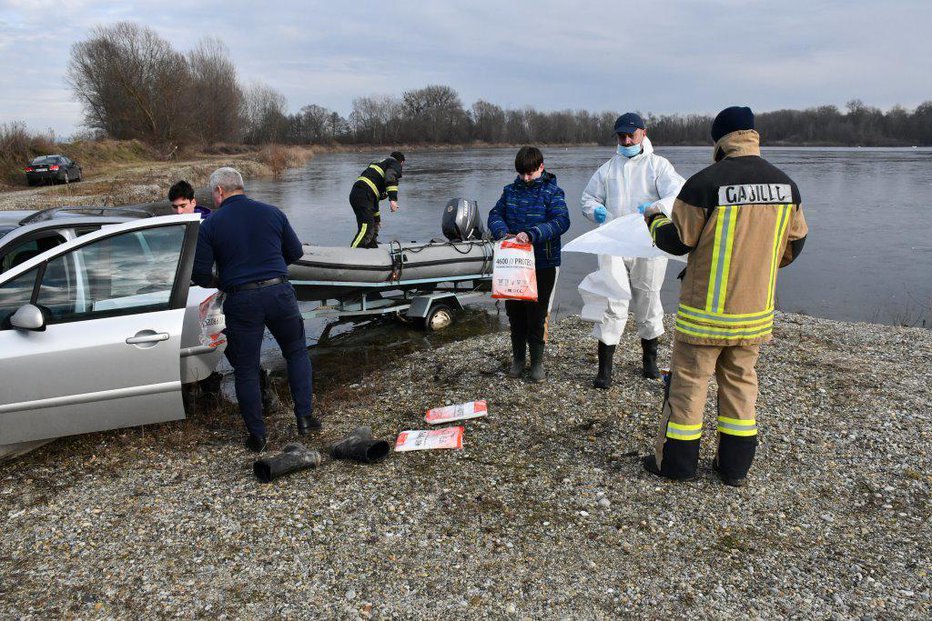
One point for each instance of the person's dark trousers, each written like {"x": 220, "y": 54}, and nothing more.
{"x": 529, "y": 319}
{"x": 365, "y": 206}
{"x": 248, "y": 312}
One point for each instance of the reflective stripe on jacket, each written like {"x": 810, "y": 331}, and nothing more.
{"x": 741, "y": 219}
{"x": 382, "y": 178}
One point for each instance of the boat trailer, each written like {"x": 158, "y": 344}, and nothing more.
{"x": 430, "y": 303}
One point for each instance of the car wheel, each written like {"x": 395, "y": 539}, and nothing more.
{"x": 31, "y": 182}
{"x": 66, "y": 179}
{"x": 80, "y": 175}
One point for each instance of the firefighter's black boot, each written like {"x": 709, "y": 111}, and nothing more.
{"x": 735, "y": 455}
{"x": 649, "y": 358}
{"x": 606, "y": 354}
{"x": 680, "y": 460}
{"x": 294, "y": 458}
{"x": 537, "y": 362}
{"x": 360, "y": 446}
{"x": 518, "y": 355}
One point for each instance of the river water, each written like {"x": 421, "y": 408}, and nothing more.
{"x": 868, "y": 256}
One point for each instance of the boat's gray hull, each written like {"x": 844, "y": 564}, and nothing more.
{"x": 393, "y": 262}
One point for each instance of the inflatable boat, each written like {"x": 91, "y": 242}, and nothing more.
{"x": 326, "y": 271}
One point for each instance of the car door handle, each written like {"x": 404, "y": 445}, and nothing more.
{"x": 147, "y": 336}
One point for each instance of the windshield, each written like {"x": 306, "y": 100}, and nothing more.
{"x": 46, "y": 159}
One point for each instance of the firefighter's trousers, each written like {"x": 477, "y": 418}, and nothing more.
{"x": 677, "y": 446}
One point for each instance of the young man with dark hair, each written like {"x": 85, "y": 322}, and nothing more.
{"x": 181, "y": 196}
{"x": 378, "y": 181}
{"x": 532, "y": 209}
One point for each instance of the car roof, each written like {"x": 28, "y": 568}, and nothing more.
{"x": 12, "y": 220}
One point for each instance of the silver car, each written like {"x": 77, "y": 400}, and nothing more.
{"x": 100, "y": 330}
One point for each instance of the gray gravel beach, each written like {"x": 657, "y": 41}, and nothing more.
{"x": 545, "y": 512}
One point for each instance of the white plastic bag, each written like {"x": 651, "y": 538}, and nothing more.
{"x": 213, "y": 323}
{"x": 513, "y": 275}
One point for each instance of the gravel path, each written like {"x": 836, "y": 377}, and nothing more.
{"x": 544, "y": 514}
{"x": 126, "y": 185}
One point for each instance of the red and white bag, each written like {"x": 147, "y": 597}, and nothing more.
{"x": 513, "y": 275}
{"x": 427, "y": 440}
{"x": 212, "y": 320}
{"x": 460, "y": 411}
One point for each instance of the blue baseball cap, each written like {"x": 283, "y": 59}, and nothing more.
{"x": 628, "y": 122}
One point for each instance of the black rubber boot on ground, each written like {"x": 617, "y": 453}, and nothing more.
{"x": 650, "y": 464}
{"x": 537, "y": 374}
{"x": 649, "y": 358}
{"x": 518, "y": 356}
{"x": 604, "y": 378}
{"x": 360, "y": 446}
{"x": 292, "y": 459}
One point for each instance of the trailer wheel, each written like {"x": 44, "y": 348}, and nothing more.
{"x": 441, "y": 316}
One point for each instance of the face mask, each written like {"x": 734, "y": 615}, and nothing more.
{"x": 629, "y": 151}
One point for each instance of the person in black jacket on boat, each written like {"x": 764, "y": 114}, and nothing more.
{"x": 378, "y": 181}
{"x": 252, "y": 245}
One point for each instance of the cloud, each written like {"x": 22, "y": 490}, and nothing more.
{"x": 664, "y": 56}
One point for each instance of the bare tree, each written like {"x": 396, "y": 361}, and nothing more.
{"x": 214, "y": 97}
{"x": 263, "y": 114}
{"x": 434, "y": 114}
{"x": 128, "y": 80}
{"x": 375, "y": 119}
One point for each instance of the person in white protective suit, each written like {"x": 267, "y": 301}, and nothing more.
{"x": 633, "y": 180}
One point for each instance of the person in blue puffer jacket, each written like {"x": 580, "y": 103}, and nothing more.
{"x": 532, "y": 209}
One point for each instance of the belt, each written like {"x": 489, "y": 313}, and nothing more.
{"x": 258, "y": 284}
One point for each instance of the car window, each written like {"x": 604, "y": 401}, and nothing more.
{"x": 14, "y": 294}
{"x": 127, "y": 273}
{"x": 28, "y": 249}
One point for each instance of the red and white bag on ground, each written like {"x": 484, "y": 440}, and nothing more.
{"x": 425, "y": 440}
{"x": 460, "y": 411}
{"x": 513, "y": 275}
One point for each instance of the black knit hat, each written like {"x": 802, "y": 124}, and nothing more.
{"x": 730, "y": 120}
{"x": 398, "y": 156}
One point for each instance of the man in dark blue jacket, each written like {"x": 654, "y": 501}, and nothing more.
{"x": 252, "y": 244}
{"x": 532, "y": 209}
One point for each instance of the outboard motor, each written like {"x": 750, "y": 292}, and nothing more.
{"x": 461, "y": 220}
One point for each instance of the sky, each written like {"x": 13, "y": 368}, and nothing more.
{"x": 660, "y": 56}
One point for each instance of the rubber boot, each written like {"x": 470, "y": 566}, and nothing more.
{"x": 360, "y": 446}
{"x": 606, "y": 354}
{"x": 292, "y": 459}
{"x": 734, "y": 458}
{"x": 649, "y": 358}
{"x": 537, "y": 362}
{"x": 518, "y": 356}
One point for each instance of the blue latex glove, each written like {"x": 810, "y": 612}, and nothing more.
{"x": 643, "y": 207}
{"x": 599, "y": 214}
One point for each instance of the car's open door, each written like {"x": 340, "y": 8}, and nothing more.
{"x": 90, "y": 331}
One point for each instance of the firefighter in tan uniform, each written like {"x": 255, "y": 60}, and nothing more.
{"x": 740, "y": 220}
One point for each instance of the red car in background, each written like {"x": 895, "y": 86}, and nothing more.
{"x": 52, "y": 169}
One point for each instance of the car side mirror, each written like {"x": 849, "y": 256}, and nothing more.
{"x": 28, "y": 317}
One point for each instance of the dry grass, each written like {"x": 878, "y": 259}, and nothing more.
{"x": 279, "y": 157}
{"x": 17, "y": 147}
